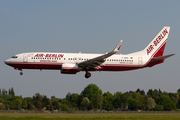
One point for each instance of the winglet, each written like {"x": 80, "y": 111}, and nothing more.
{"x": 116, "y": 49}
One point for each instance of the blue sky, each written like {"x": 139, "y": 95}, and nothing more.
{"x": 90, "y": 27}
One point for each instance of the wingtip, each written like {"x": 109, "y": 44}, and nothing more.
{"x": 116, "y": 49}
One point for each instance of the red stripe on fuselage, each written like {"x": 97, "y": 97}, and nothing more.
{"x": 35, "y": 65}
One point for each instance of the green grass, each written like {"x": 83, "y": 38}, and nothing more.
{"x": 91, "y": 116}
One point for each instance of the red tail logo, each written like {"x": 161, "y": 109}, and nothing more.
{"x": 157, "y": 41}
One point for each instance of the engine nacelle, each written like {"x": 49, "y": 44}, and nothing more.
{"x": 69, "y": 68}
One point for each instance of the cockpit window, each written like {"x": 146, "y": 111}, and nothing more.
{"x": 14, "y": 57}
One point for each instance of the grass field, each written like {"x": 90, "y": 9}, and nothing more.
{"x": 91, "y": 116}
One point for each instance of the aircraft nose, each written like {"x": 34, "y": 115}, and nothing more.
{"x": 7, "y": 62}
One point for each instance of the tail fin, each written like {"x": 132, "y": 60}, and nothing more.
{"x": 156, "y": 47}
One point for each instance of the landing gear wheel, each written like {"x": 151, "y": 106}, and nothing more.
{"x": 87, "y": 75}
{"x": 21, "y": 73}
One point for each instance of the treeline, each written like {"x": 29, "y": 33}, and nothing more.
{"x": 92, "y": 98}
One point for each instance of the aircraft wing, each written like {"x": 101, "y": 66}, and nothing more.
{"x": 95, "y": 62}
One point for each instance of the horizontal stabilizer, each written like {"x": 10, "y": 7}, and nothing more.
{"x": 162, "y": 57}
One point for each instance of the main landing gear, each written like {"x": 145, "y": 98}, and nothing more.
{"x": 88, "y": 74}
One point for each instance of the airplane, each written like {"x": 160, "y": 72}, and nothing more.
{"x": 72, "y": 63}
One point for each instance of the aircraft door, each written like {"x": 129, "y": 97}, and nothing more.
{"x": 25, "y": 58}
{"x": 140, "y": 60}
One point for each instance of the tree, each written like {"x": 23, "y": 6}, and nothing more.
{"x": 79, "y": 101}
{"x": 4, "y": 92}
{"x": 85, "y": 102}
{"x": 30, "y": 105}
{"x": 166, "y": 102}
{"x": 18, "y": 103}
{"x": 124, "y": 100}
{"x": 142, "y": 99}
{"x": 11, "y": 91}
{"x": 150, "y": 93}
{"x": 46, "y": 103}
{"x": 117, "y": 101}
{"x": 133, "y": 95}
{"x": 107, "y": 101}
{"x": 55, "y": 103}
{"x": 2, "y": 107}
{"x": 91, "y": 107}
{"x": 160, "y": 92}
{"x": 178, "y": 91}
{"x": 142, "y": 92}
{"x": 74, "y": 99}
{"x": 68, "y": 95}
{"x": 133, "y": 104}
{"x": 158, "y": 108}
{"x": 37, "y": 100}
{"x": 173, "y": 97}
{"x": 155, "y": 93}
{"x": 178, "y": 104}
{"x": 151, "y": 103}
{"x": 99, "y": 101}
{"x": 24, "y": 103}
{"x": 64, "y": 106}
{"x": 1, "y": 100}
{"x": 92, "y": 91}
{"x": 138, "y": 90}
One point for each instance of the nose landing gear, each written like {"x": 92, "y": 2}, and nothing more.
{"x": 21, "y": 73}
{"x": 88, "y": 74}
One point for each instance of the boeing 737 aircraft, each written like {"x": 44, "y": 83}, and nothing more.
{"x": 71, "y": 63}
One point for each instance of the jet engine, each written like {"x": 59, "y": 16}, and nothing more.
{"x": 69, "y": 68}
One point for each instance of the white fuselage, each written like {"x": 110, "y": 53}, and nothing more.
{"x": 42, "y": 60}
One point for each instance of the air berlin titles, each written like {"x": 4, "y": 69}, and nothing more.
{"x": 50, "y": 55}
{"x": 157, "y": 41}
